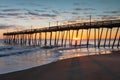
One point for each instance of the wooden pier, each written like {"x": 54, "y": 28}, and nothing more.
{"x": 63, "y": 35}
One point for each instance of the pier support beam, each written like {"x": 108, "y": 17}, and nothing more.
{"x": 32, "y": 39}
{"x": 72, "y": 37}
{"x": 110, "y": 36}
{"x": 66, "y": 38}
{"x": 35, "y": 39}
{"x": 45, "y": 44}
{"x": 63, "y": 32}
{"x": 115, "y": 37}
{"x": 58, "y": 38}
{"x": 100, "y": 37}
{"x": 118, "y": 42}
{"x": 40, "y": 39}
{"x": 29, "y": 39}
{"x": 69, "y": 38}
{"x": 81, "y": 37}
{"x": 106, "y": 37}
{"x": 95, "y": 37}
{"x": 88, "y": 36}
{"x": 25, "y": 39}
{"x": 76, "y": 37}
{"x": 50, "y": 37}
{"x": 55, "y": 38}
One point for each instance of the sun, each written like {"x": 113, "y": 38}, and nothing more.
{"x": 76, "y": 38}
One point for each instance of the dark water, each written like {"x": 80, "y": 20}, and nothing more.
{"x": 15, "y": 58}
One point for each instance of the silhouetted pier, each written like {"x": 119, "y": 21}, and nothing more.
{"x": 60, "y": 34}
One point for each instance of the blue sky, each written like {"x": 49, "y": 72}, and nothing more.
{"x": 22, "y": 14}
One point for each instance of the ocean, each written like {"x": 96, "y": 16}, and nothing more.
{"x": 16, "y": 58}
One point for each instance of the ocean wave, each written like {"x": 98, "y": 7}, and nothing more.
{"x": 8, "y": 51}
{"x": 5, "y": 48}
{"x": 15, "y": 53}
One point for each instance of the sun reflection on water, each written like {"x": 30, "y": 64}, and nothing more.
{"x": 71, "y": 53}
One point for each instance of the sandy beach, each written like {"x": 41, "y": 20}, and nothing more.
{"x": 94, "y": 67}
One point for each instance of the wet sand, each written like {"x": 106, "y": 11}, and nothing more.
{"x": 94, "y": 67}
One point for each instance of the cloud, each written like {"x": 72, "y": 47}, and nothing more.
{"x": 72, "y": 21}
{"x": 10, "y": 14}
{"x": 71, "y": 13}
{"x": 13, "y": 14}
{"x": 20, "y": 16}
{"x": 27, "y": 14}
{"x": 35, "y": 18}
{"x": 14, "y": 27}
{"x": 2, "y": 16}
{"x": 7, "y": 13}
{"x": 33, "y": 13}
{"x": 55, "y": 11}
{"x": 40, "y": 10}
{"x": 11, "y": 10}
{"x": 108, "y": 17}
{"x": 112, "y": 12}
{"x": 88, "y": 13}
{"x": 103, "y": 15}
{"x": 40, "y": 15}
{"x": 2, "y": 26}
{"x": 75, "y": 13}
{"x": 48, "y": 15}
{"x": 79, "y": 9}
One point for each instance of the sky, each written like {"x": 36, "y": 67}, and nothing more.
{"x": 26, "y": 14}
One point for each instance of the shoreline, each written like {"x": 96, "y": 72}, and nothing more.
{"x": 92, "y": 67}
